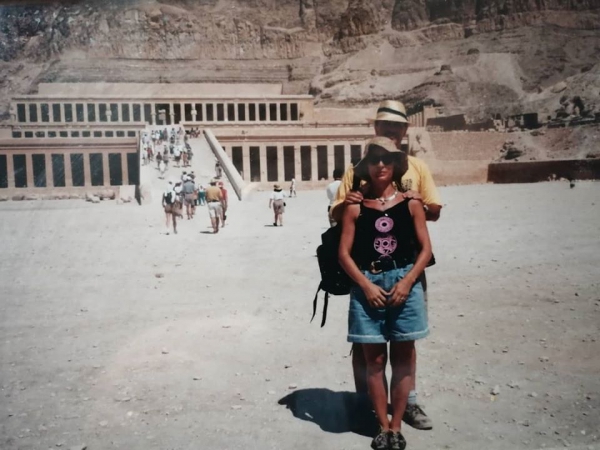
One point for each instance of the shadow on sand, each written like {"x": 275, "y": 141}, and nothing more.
{"x": 334, "y": 412}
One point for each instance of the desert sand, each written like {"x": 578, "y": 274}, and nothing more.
{"x": 115, "y": 335}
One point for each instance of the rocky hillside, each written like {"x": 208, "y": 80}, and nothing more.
{"x": 502, "y": 56}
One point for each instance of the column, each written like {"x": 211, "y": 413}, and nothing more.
{"x": 246, "y": 112}
{"x": 10, "y": 170}
{"x": 131, "y": 112}
{"x": 330, "y": 160}
{"x": 105, "y": 170}
{"x": 27, "y": 116}
{"x": 153, "y": 118}
{"x": 87, "y": 171}
{"x": 49, "y": 170}
{"x": 235, "y": 112}
{"x": 50, "y": 113}
{"x": 29, "y": 169}
{"x": 347, "y": 155}
{"x": 280, "y": 163}
{"x": 62, "y": 113}
{"x": 246, "y": 160}
{"x": 314, "y": 174}
{"x": 204, "y": 119}
{"x": 119, "y": 114}
{"x": 182, "y": 112}
{"x": 277, "y": 113}
{"x": 97, "y": 111}
{"x": 38, "y": 110}
{"x": 172, "y": 112}
{"x": 124, "y": 169}
{"x": 297, "y": 163}
{"x": 263, "y": 163}
{"x": 68, "y": 170}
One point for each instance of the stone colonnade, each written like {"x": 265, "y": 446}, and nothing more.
{"x": 281, "y": 161}
{"x": 67, "y": 168}
{"x": 420, "y": 119}
{"x": 167, "y": 112}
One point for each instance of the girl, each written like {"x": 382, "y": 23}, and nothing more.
{"x": 379, "y": 241}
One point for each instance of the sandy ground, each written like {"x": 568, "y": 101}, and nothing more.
{"x": 115, "y": 335}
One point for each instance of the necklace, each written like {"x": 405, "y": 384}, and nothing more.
{"x": 384, "y": 200}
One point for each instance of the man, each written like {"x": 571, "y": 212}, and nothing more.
{"x": 331, "y": 190}
{"x": 391, "y": 121}
{"x": 225, "y": 201}
{"x": 189, "y": 187}
{"x": 214, "y": 200}
{"x": 293, "y": 188}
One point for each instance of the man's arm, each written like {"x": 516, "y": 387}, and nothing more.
{"x": 429, "y": 193}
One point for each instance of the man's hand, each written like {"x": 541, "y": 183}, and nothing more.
{"x": 376, "y": 296}
{"x": 414, "y": 195}
{"x": 353, "y": 198}
{"x": 400, "y": 292}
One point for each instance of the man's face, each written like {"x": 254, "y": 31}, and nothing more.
{"x": 393, "y": 130}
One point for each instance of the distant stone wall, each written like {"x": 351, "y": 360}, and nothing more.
{"x": 467, "y": 146}
{"x": 534, "y": 171}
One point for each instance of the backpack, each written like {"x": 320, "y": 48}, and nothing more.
{"x": 334, "y": 280}
{"x": 169, "y": 197}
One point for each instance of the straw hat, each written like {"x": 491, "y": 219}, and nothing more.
{"x": 362, "y": 167}
{"x": 277, "y": 187}
{"x": 391, "y": 111}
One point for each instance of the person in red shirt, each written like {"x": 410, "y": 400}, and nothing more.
{"x": 225, "y": 200}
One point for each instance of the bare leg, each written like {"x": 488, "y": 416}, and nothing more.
{"x": 174, "y": 223}
{"x": 375, "y": 358}
{"x": 401, "y": 354}
{"x": 168, "y": 221}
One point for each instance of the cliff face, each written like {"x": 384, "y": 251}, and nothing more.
{"x": 344, "y": 51}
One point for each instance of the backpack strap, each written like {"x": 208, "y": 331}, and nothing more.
{"x": 325, "y": 305}
{"x": 355, "y": 183}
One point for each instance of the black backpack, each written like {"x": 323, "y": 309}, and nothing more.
{"x": 334, "y": 280}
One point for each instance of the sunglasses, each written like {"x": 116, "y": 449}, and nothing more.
{"x": 386, "y": 158}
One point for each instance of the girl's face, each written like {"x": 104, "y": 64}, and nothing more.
{"x": 381, "y": 165}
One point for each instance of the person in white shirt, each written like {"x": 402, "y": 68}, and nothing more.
{"x": 293, "y": 188}
{"x": 278, "y": 204}
{"x": 331, "y": 190}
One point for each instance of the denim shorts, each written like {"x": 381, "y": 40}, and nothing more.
{"x": 407, "y": 322}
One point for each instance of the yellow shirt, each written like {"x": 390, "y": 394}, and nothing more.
{"x": 417, "y": 178}
{"x": 213, "y": 194}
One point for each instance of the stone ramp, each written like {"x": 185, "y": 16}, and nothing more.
{"x": 203, "y": 161}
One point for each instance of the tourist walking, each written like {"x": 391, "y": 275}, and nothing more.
{"x": 277, "y": 202}
{"x": 214, "y": 200}
{"x": 171, "y": 207}
{"x": 218, "y": 170}
{"x": 379, "y": 241}
{"x": 201, "y": 195}
{"x": 162, "y": 167}
{"x": 417, "y": 183}
{"x": 225, "y": 202}
{"x": 293, "y": 188}
{"x": 188, "y": 190}
{"x": 331, "y": 191}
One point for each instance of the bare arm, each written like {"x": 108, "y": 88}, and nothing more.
{"x": 401, "y": 290}
{"x": 375, "y": 295}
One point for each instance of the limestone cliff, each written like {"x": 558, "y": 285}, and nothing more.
{"x": 344, "y": 51}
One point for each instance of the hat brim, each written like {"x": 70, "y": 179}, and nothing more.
{"x": 361, "y": 169}
{"x": 388, "y": 117}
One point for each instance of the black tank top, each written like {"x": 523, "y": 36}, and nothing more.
{"x": 384, "y": 234}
